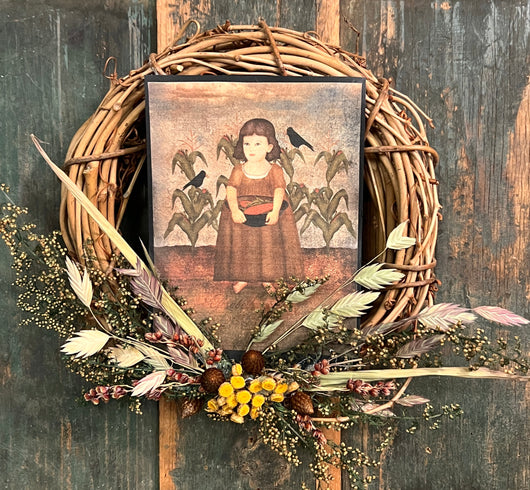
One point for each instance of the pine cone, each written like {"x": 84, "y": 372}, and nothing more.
{"x": 211, "y": 379}
{"x": 191, "y": 406}
{"x": 301, "y": 403}
{"x": 253, "y": 362}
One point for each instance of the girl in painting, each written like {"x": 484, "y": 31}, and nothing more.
{"x": 257, "y": 239}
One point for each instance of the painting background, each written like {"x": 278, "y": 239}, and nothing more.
{"x": 195, "y": 116}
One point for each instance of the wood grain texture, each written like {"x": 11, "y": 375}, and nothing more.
{"x": 328, "y": 21}
{"x": 53, "y": 54}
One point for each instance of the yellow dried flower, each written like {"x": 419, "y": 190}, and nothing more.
{"x": 268, "y": 384}
{"x": 226, "y": 410}
{"x": 258, "y": 401}
{"x": 255, "y": 386}
{"x": 254, "y": 413}
{"x": 221, "y": 400}
{"x": 293, "y": 386}
{"x": 237, "y": 418}
{"x": 226, "y": 389}
{"x": 281, "y": 388}
{"x": 237, "y": 382}
{"x": 231, "y": 401}
{"x": 276, "y": 397}
{"x": 243, "y": 410}
{"x": 212, "y": 406}
{"x": 237, "y": 370}
{"x": 243, "y": 396}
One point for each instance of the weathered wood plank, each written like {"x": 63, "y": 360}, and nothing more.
{"x": 466, "y": 64}
{"x": 53, "y": 54}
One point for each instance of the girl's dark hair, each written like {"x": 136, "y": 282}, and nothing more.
{"x": 260, "y": 127}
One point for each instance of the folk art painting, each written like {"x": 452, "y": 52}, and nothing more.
{"x": 253, "y": 180}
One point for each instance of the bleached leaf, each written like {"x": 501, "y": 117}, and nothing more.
{"x": 82, "y": 286}
{"x": 320, "y": 319}
{"x": 396, "y": 240}
{"x": 85, "y": 343}
{"x": 126, "y": 356}
{"x": 373, "y": 277}
{"x": 149, "y": 383}
{"x": 299, "y": 296}
{"x": 418, "y": 347}
{"x": 354, "y": 304}
{"x": 411, "y": 400}
{"x": 153, "y": 357}
{"x": 500, "y": 315}
{"x": 266, "y": 331}
{"x": 444, "y": 315}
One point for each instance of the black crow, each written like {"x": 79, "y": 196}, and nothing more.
{"x": 296, "y": 140}
{"x": 197, "y": 180}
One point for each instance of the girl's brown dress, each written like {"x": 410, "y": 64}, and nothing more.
{"x": 257, "y": 254}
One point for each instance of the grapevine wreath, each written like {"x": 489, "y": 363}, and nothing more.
{"x": 139, "y": 340}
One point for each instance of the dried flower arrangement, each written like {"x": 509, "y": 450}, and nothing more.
{"x": 139, "y": 341}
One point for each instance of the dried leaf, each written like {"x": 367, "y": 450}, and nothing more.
{"x": 153, "y": 357}
{"x": 320, "y": 319}
{"x": 149, "y": 383}
{"x": 353, "y": 305}
{"x": 266, "y": 331}
{"x": 500, "y": 315}
{"x": 419, "y": 346}
{"x": 385, "y": 413}
{"x": 336, "y": 381}
{"x": 85, "y": 343}
{"x": 181, "y": 357}
{"x": 173, "y": 310}
{"x": 82, "y": 287}
{"x": 396, "y": 240}
{"x": 444, "y": 315}
{"x": 299, "y": 296}
{"x": 165, "y": 326}
{"x": 125, "y": 356}
{"x": 373, "y": 277}
{"x": 411, "y": 400}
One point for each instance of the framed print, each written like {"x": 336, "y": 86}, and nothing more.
{"x": 253, "y": 179}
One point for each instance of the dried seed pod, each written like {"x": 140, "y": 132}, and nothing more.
{"x": 191, "y": 406}
{"x": 301, "y": 403}
{"x": 211, "y": 379}
{"x": 253, "y": 362}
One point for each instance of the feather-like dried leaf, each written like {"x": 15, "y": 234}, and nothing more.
{"x": 153, "y": 357}
{"x": 181, "y": 357}
{"x": 373, "y": 277}
{"x": 354, "y": 304}
{"x": 148, "y": 288}
{"x": 125, "y": 356}
{"x": 165, "y": 326}
{"x": 82, "y": 286}
{"x": 319, "y": 319}
{"x": 411, "y": 400}
{"x": 418, "y": 347}
{"x": 444, "y": 315}
{"x": 500, "y": 315}
{"x": 396, "y": 240}
{"x": 149, "y": 383}
{"x": 85, "y": 343}
{"x": 299, "y": 296}
{"x": 266, "y": 331}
